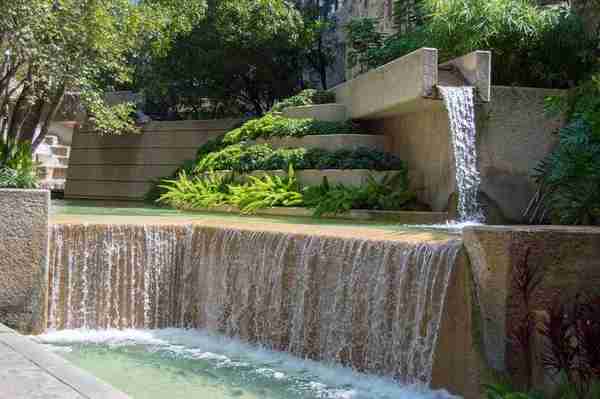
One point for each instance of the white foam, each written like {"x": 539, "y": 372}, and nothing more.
{"x": 326, "y": 380}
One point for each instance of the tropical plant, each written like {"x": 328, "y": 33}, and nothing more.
{"x": 572, "y": 335}
{"x": 199, "y": 192}
{"x": 17, "y": 168}
{"x": 389, "y": 193}
{"x": 265, "y": 192}
{"x": 569, "y": 178}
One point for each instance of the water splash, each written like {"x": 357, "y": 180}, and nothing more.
{"x": 461, "y": 112}
{"x": 373, "y": 305}
{"x": 186, "y": 358}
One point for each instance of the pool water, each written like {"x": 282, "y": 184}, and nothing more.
{"x": 178, "y": 364}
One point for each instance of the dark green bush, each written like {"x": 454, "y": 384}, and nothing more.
{"x": 242, "y": 158}
{"x": 531, "y": 45}
{"x": 277, "y": 126}
{"x": 305, "y": 97}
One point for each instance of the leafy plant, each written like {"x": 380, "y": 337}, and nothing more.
{"x": 305, "y": 97}
{"x": 265, "y": 192}
{"x": 569, "y": 178}
{"x": 17, "y": 168}
{"x": 503, "y": 391}
{"x": 206, "y": 191}
{"x": 277, "y": 126}
{"x": 242, "y": 158}
{"x": 390, "y": 193}
{"x": 572, "y": 332}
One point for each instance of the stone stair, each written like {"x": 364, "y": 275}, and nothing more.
{"x": 53, "y": 160}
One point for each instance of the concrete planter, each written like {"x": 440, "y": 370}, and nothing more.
{"x": 320, "y": 112}
{"x": 24, "y": 258}
{"x": 331, "y": 142}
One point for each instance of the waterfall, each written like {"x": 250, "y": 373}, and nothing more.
{"x": 459, "y": 102}
{"x": 373, "y": 305}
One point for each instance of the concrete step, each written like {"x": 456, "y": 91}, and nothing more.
{"x": 320, "y": 112}
{"x": 51, "y": 140}
{"x": 62, "y": 150}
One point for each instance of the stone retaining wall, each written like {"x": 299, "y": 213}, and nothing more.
{"x": 24, "y": 258}
{"x": 123, "y": 167}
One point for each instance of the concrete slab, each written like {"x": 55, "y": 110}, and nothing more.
{"x": 30, "y": 371}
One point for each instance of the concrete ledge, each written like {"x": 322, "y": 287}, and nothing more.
{"x": 24, "y": 258}
{"x": 30, "y": 371}
{"x": 475, "y": 69}
{"x": 568, "y": 259}
{"x": 331, "y": 142}
{"x": 320, "y": 112}
{"x": 392, "y": 86}
{"x": 402, "y": 217}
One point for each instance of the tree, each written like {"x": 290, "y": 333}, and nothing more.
{"x": 53, "y": 47}
{"x": 239, "y": 57}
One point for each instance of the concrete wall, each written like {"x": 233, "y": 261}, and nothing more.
{"x": 122, "y": 167}
{"x": 24, "y": 258}
{"x": 568, "y": 263}
{"x": 513, "y": 135}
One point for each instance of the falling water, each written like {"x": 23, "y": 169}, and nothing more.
{"x": 372, "y": 305}
{"x": 461, "y": 112}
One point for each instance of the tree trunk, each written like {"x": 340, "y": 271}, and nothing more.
{"x": 55, "y": 104}
{"x": 22, "y": 107}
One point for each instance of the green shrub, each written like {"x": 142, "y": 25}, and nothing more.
{"x": 501, "y": 391}
{"x": 531, "y": 45}
{"x": 265, "y": 192}
{"x": 391, "y": 193}
{"x": 305, "y": 97}
{"x": 242, "y": 158}
{"x": 17, "y": 168}
{"x": 277, "y": 126}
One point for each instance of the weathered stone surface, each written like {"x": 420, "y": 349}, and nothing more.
{"x": 513, "y": 135}
{"x": 23, "y": 258}
{"x": 568, "y": 259}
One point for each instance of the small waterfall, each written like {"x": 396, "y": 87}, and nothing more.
{"x": 461, "y": 112}
{"x": 372, "y": 305}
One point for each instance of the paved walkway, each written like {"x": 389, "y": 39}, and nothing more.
{"x": 30, "y": 371}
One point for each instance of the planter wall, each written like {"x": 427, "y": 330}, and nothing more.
{"x": 123, "y": 167}
{"x": 331, "y": 142}
{"x": 24, "y": 258}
